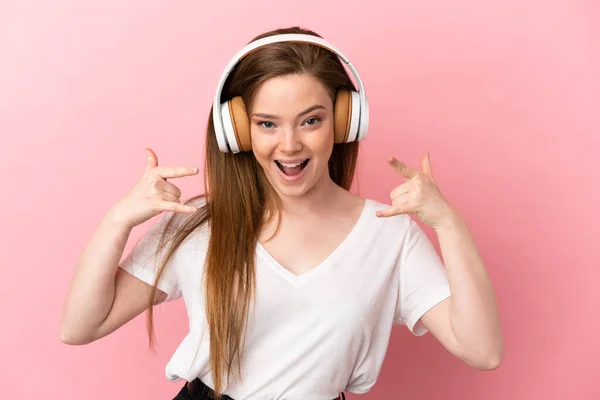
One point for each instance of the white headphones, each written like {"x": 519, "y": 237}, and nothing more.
{"x": 230, "y": 119}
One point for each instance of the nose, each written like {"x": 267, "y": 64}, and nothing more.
{"x": 290, "y": 141}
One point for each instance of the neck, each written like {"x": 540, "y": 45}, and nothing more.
{"x": 319, "y": 200}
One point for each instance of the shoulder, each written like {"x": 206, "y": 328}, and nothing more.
{"x": 399, "y": 232}
{"x": 182, "y": 227}
{"x": 368, "y": 207}
{"x": 397, "y": 222}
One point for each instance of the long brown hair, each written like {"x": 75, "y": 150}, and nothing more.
{"x": 239, "y": 199}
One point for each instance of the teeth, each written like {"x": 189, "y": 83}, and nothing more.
{"x": 290, "y": 165}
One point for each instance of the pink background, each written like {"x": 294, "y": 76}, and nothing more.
{"x": 504, "y": 94}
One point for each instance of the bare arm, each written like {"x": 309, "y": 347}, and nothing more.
{"x": 101, "y": 296}
{"x": 467, "y": 323}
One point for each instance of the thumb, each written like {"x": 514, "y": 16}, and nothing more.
{"x": 151, "y": 159}
{"x": 426, "y": 166}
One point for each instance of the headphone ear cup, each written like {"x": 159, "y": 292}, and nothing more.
{"x": 241, "y": 123}
{"x": 347, "y": 115}
{"x": 342, "y": 114}
{"x": 236, "y": 125}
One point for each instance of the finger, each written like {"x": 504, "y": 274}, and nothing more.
{"x": 177, "y": 207}
{"x": 402, "y": 204}
{"x": 170, "y": 188}
{"x": 402, "y": 168}
{"x": 391, "y": 211}
{"x": 151, "y": 159}
{"x": 175, "y": 172}
{"x": 426, "y": 166}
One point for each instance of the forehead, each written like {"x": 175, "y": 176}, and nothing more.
{"x": 290, "y": 93}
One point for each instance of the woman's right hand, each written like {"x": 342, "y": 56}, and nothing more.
{"x": 152, "y": 194}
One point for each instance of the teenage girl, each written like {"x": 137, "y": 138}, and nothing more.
{"x": 292, "y": 283}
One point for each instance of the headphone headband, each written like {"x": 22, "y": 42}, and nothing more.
{"x": 303, "y": 38}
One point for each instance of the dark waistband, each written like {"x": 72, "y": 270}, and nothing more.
{"x": 199, "y": 390}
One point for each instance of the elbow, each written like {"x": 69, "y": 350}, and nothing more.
{"x": 488, "y": 362}
{"x": 73, "y": 338}
{"x": 487, "y": 358}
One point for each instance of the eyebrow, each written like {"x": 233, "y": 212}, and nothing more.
{"x": 309, "y": 109}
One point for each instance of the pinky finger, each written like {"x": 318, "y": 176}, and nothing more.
{"x": 176, "y": 207}
{"x": 391, "y": 212}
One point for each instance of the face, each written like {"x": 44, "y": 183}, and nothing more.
{"x": 292, "y": 133}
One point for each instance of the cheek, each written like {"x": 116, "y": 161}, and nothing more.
{"x": 323, "y": 143}
{"x": 261, "y": 148}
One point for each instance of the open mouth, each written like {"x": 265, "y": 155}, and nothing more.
{"x": 292, "y": 169}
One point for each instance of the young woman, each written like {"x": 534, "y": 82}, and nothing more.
{"x": 291, "y": 282}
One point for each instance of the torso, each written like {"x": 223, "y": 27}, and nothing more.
{"x": 332, "y": 324}
{"x": 302, "y": 243}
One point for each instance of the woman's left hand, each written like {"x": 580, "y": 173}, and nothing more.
{"x": 419, "y": 195}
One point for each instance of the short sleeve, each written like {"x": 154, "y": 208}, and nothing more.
{"x": 423, "y": 282}
{"x": 145, "y": 259}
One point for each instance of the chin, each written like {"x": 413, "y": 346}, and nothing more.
{"x": 292, "y": 191}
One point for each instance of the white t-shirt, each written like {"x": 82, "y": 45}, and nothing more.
{"x": 317, "y": 334}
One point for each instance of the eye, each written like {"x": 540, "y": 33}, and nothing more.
{"x": 266, "y": 124}
{"x": 312, "y": 121}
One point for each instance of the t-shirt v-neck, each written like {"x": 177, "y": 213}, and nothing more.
{"x": 322, "y": 267}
